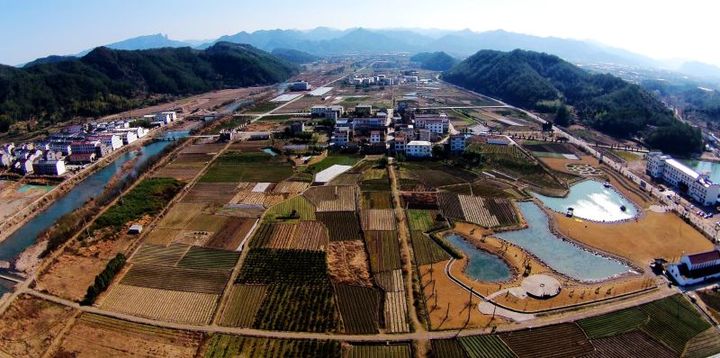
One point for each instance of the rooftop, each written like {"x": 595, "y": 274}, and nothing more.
{"x": 683, "y": 168}
{"x": 420, "y": 142}
{"x": 704, "y": 257}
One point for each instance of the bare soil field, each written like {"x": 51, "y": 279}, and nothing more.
{"x": 332, "y": 198}
{"x": 210, "y": 193}
{"x": 348, "y": 263}
{"x": 15, "y": 196}
{"x": 98, "y": 336}
{"x": 291, "y": 187}
{"x": 75, "y": 269}
{"x": 231, "y": 234}
{"x": 29, "y": 325}
{"x": 165, "y": 305}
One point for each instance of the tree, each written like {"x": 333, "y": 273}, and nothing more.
{"x": 562, "y": 116}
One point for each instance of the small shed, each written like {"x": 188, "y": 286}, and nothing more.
{"x": 135, "y": 229}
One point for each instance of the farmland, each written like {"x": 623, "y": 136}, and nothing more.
{"x": 384, "y": 250}
{"x": 563, "y": 340}
{"x": 633, "y": 344}
{"x": 396, "y": 312}
{"x": 225, "y": 346}
{"x": 486, "y": 212}
{"x": 266, "y": 266}
{"x": 294, "y": 208}
{"x": 176, "y": 279}
{"x": 377, "y": 219}
{"x": 376, "y": 200}
{"x": 426, "y": 250}
{"x": 98, "y": 336}
{"x": 341, "y": 225}
{"x": 449, "y": 348}
{"x": 333, "y": 159}
{"x": 231, "y": 234}
{"x": 359, "y": 308}
{"x": 242, "y": 305}
{"x": 348, "y": 263}
{"x": 162, "y": 304}
{"x": 305, "y": 235}
{"x": 332, "y": 198}
{"x": 29, "y": 325}
{"x": 249, "y": 167}
{"x": 147, "y": 198}
{"x": 421, "y": 220}
{"x": 380, "y": 351}
{"x": 485, "y": 346}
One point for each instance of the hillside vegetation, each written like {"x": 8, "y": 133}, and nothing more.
{"x": 106, "y": 81}
{"x": 606, "y": 103}
{"x": 294, "y": 56}
{"x": 434, "y": 61}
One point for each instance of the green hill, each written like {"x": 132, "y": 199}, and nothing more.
{"x": 434, "y": 61}
{"x": 294, "y": 56}
{"x": 604, "y": 102}
{"x": 106, "y": 81}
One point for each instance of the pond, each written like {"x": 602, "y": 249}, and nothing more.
{"x": 92, "y": 186}
{"x": 270, "y": 151}
{"x": 563, "y": 256}
{"x": 591, "y": 200}
{"x": 482, "y": 265}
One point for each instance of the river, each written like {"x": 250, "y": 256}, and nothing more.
{"x": 91, "y": 187}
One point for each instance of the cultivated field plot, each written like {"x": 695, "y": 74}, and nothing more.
{"x": 180, "y": 215}
{"x": 503, "y": 210}
{"x": 380, "y": 351}
{"x": 231, "y": 235}
{"x": 421, "y": 220}
{"x": 450, "y": 205}
{"x": 434, "y": 175}
{"x": 384, "y": 250}
{"x": 242, "y": 305}
{"x": 348, "y": 263}
{"x": 390, "y": 281}
{"x": 396, "y": 312}
{"x": 341, "y": 225}
{"x": 224, "y": 346}
{"x": 183, "y": 172}
{"x": 160, "y": 255}
{"x": 485, "y": 346}
{"x": 210, "y": 193}
{"x": 377, "y": 219}
{"x": 556, "y": 150}
{"x": 422, "y": 201}
{"x": 291, "y": 187}
{"x": 29, "y": 325}
{"x": 100, "y": 336}
{"x": 266, "y": 266}
{"x": 562, "y": 340}
{"x": 449, "y": 348}
{"x": 305, "y": 235}
{"x": 614, "y": 323}
{"x": 426, "y": 250}
{"x": 206, "y": 258}
{"x": 359, "y": 308}
{"x": 376, "y": 200}
{"x": 674, "y": 322}
{"x": 633, "y": 344}
{"x": 332, "y": 198}
{"x": 297, "y": 207}
{"x": 248, "y": 167}
{"x": 176, "y": 279}
{"x": 474, "y": 210}
{"x": 705, "y": 344}
{"x": 161, "y": 304}
{"x": 208, "y": 149}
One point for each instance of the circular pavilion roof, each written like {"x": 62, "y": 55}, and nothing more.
{"x": 541, "y": 286}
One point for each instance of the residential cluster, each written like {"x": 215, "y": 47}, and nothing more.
{"x": 77, "y": 145}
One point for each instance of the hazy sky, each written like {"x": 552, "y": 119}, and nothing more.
{"x": 660, "y": 28}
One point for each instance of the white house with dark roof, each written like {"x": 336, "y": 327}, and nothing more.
{"x": 696, "y": 268}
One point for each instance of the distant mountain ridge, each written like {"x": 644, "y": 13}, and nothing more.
{"x": 605, "y": 102}
{"x": 108, "y": 81}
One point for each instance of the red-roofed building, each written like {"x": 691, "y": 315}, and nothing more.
{"x": 696, "y": 268}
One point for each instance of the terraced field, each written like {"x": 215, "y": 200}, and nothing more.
{"x": 160, "y": 304}
{"x": 359, "y": 308}
{"x": 383, "y": 249}
{"x": 341, "y": 225}
{"x": 242, "y": 305}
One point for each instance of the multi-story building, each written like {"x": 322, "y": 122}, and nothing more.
{"x": 329, "y": 112}
{"x": 457, "y": 143}
{"x": 299, "y": 86}
{"x": 419, "y": 149}
{"x": 399, "y": 142}
{"x": 696, "y": 268}
{"x": 112, "y": 141}
{"x": 439, "y": 124}
{"x": 341, "y": 136}
{"x": 376, "y": 137}
{"x": 49, "y": 167}
{"x": 699, "y": 187}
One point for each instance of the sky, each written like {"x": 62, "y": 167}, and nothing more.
{"x": 660, "y": 29}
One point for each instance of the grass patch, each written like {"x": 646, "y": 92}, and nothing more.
{"x": 294, "y": 208}
{"x": 333, "y": 159}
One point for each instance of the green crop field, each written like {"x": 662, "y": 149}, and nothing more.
{"x": 176, "y": 279}
{"x": 613, "y": 323}
{"x": 359, "y": 308}
{"x": 383, "y": 249}
{"x": 673, "y": 321}
{"x": 341, "y": 225}
{"x": 232, "y": 167}
{"x": 561, "y": 340}
{"x": 333, "y": 159}
{"x": 299, "y": 306}
{"x": 449, "y": 348}
{"x": 426, "y": 250}
{"x": 301, "y": 207}
{"x": 242, "y": 305}
{"x": 380, "y": 351}
{"x": 205, "y": 258}
{"x": 266, "y": 266}
{"x": 485, "y": 346}
{"x": 421, "y": 220}
{"x": 226, "y": 346}
{"x": 149, "y": 197}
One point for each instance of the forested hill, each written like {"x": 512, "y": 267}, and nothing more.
{"x": 294, "y": 56}
{"x": 607, "y": 103}
{"x": 106, "y": 81}
{"x": 434, "y": 61}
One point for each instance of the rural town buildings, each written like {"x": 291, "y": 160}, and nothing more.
{"x": 697, "y": 186}
{"x": 419, "y": 149}
{"x": 696, "y": 268}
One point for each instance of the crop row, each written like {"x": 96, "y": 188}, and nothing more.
{"x": 242, "y": 305}
{"x": 359, "y": 308}
{"x": 341, "y": 225}
{"x": 267, "y": 266}
{"x": 160, "y": 304}
{"x": 221, "y": 346}
{"x": 177, "y": 279}
{"x": 384, "y": 250}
